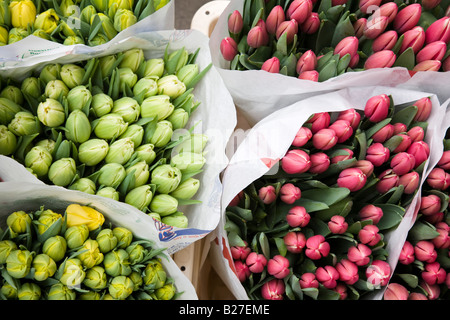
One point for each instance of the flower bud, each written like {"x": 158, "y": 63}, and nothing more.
{"x": 402, "y": 163}
{"x": 256, "y": 262}
{"x": 359, "y": 26}
{"x": 120, "y": 151}
{"x": 366, "y": 5}
{"x": 439, "y": 30}
{"x": 177, "y": 219}
{"x": 6, "y": 247}
{"x": 257, "y": 37}
{"x": 348, "y": 45}
{"x": 369, "y": 235}
{"x": 235, "y": 22}
{"x": 85, "y": 185}
{"x": 101, "y": 104}
{"x": 72, "y": 75}
{"x": 312, "y": 75}
{"x": 385, "y": 41}
{"x": 39, "y": 160}
{"x": 178, "y": 118}
{"x": 424, "y": 107}
{"x": 407, "y": 254}
{"x": 359, "y": 254}
{"x": 162, "y": 134}
{"x": 320, "y": 162}
{"x": 51, "y": 112}
{"x": 278, "y": 267}
{"x": 188, "y": 162}
{"x": 116, "y": 263}
{"x": 29, "y": 291}
{"x": 95, "y": 278}
{"x": 132, "y": 59}
{"x": 425, "y": 251}
{"x": 128, "y": 108}
{"x": 274, "y": 19}
{"x": 110, "y": 126}
{"x": 317, "y": 247}
{"x": 77, "y": 214}
{"x": 299, "y": 10}
{"x": 76, "y": 235}
{"x": 384, "y": 133}
{"x": 12, "y": 93}
{"x": 111, "y": 175}
{"x": 23, "y": 13}
{"x": 164, "y": 204}
{"x": 18, "y": 221}
{"x": 55, "y": 247}
{"x": 365, "y": 166}
{"x": 240, "y": 252}
{"x": 308, "y": 280}
{"x": 90, "y": 254}
{"x": 378, "y": 273}
{"x": 348, "y": 271}
{"x": 271, "y": 65}
{"x": 320, "y": 120}
{"x": 433, "y": 51}
{"x": 50, "y": 72}
{"x": 154, "y": 275}
{"x": 380, "y": 59}
{"x": 187, "y": 189}
{"x": 273, "y": 289}
{"x": 123, "y": 19}
{"x": 228, "y": 48}
{"x": 325, "y": 139}
{"x": 106, "y": 240}
{"x": 147, "y": 85}
{"x": 327, "y": 276}
{"x": 24, "y": 123}
{"x": 289, "y": 193}
{"x": 341, "y": 155}
{"x": 337, "y": 224}
{"x": 31, "y": 86}
{"x": 420, "y": 150}
{"x": 294, "y": 241}
{"x": 288, "y": 27}
{"x": 295, "y": 161}
{"x": 18, "y": 263}
{"x": 9, "y": 291}
{"x": 78, "y": 97}
{"x": 428, "y": 65}
{"x": 303, "y": 135}
{"x": 375, "y": 27}
{"x": 171, "y": 86}
{"x": 350, "y": 115}
{"x": 343, "y": 129}
{"x": 267, "y": 194}
{"x": 166, "y": 178}
{"x": 352, "y": 178}
{"x": 438, "y": 179}
{"x": 72, "y": 273}
{"x": 444, "y": 161}
{"x": 430, "y": 205}
{"x": 78, "y": 126}
{"x": 56, "y": 88}
{"x": 434, "y": 273}
{"x": 44, "y": 267}
{"x": 62, "y": 171}
{"x": 306, "y": 62}
{"x": 17, "y": 34}
{"x": 413, "y": 38}
{"x": 242, "y": 270}
{"x": 395, "y": 291}
{"x": 311, "y": 24}
{"x": 407, "y": 18}
{"x": 158, "y": 106}
{"x": 93, "y": 151}
{"x": 410, "y": 182}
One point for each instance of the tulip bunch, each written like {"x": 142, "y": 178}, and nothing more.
{"x": 46, "y": 255}
{"x": 316, "y": 228}
{"x": 423, "y": 270}
{"x": 111, "y": 126}
{"x": 320, "y": 39}
{"x": 91, "y": 22}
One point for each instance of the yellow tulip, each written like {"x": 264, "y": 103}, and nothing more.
{"x": 23, "y": 12}
{"x": 47, "y": 21}
{"x": 3, "y": 35}
{"x": 78, "y": 215}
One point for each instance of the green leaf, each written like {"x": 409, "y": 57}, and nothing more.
{"x": 235, "y": 240}
{"x": 422, "y": 230}
{"x": 392, "y": 216}
{"x": 341, "y": 208}
{"x": 406, "y": 115}
{"x": 376, "y": 127}
{"x": 290, "y": 62}
{"x": 362, "y": 142}
{"x": 343, "y": 29}
{"x": 328, "y": 71}
{"x": 281, "y": 246}
{"x": 325, "y": 34}
{"x": 295, "y": 286}
{"x": 310, "y": 205}
{"x": 311, "y": 292}
{"x": 407, "y": 59}
{"x": 264, "y": 244}
{"x": 411, "y": 279}
{"x": 393, "y": 142}
{"x": 444, "y": 197}
{"x": 328, "y": 196}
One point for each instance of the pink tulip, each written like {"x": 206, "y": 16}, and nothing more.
{"x": 388, "y": 9}
{"x": 432, "y": 51}
{"x": 444, "y": 161}
{"x": 385, "y": 41}
{"x": 434, "y": 273}
{"x": 312, "y": 75}
{"x": 367, "y": 5}
{"x": 417, "y": 296}
{"x": 359, "y": 26}
{"x": 256, "y": 262}
{"x": 378, "y": 154}
{"x": 341, "y": 289}
{"x": 380, "y": 59}
{"x": 375, "y": 27}
{"x": 388, "y": 179}
{"x": 350, "y": 115}
{"x": 424, "y": 106}
{"x": 294, "y": 241}
{"x": 434, "y": 218}
{"x": 407, "y": 18}
{"x": 228, "y": 48}
{"x": 377, "y": 107}
{"x": 352, "y": 178}
{"x": 420, "y": 150}
{"x": 306, "y": 62}
{"x": 242, "y": 270}
{"x": 271, "y": 65}
{"x": 290, "y": 193}
{"x": 384, "y": 133}
{"x": 430, "y": 4}
{"x": 404, "y": 144}
{"x": 425, "y": 251}
{"x": 442, "y": 241}
{"x": 348, "y": 271}
{"x": 407, "y": 254}
{"x": 338, "y": 2}
{"x": 428, "y": 65}
{"x": 400, "y": 127}
{"x": 298, "y": 217}
{"x": 347, "y": 154}
{"x": 235, "y": 22}
{"x": 290, "y": 27}
{"x": 328, "y": 276}
{"x": 438, "y": 179}
{"x": 337, "y": 224}
{"x": 348, "y": 45}
{"x": 274, "y": 19}
{"x": 317, "y": 247}
{"x": 311, "y": 24}
{"x": 438, "y": 31}
{"x": 295, "y": 161}
{"x": 359, "y": 254}
{"x": 257, "y": 37}
{"x": 395, "y": 291}
{"x": 303, "y": 135}
{"x": 240, "y": 252}
{"x": 416, "y": 133}
{"x": 446, "y": 64}
{"x": 320, "y": 120}
{"x": 320, "y": 162}
{"x": 402, "y": 163}
{"x": 369, "y": 235}
{"x": 267, "y": 194}
{"x": 278, "y": 267}
{"x": 365, "y": 166}
{"x": 414, "y": 38}
{"x": 430, "y": 205}
{"x": 308, "y": 280}
{"x": 237, "y": 199}
{"x": 432, "y": 291}
{"x": 273, "y": 290}
{"x": 410, "y": 182}
{"x": 325, "y": 139}
{"x": 299, "y": 10}
{"x": 343, "y": 129}
{"x": 371, "y": 212}
{"x": 378, "y": 273}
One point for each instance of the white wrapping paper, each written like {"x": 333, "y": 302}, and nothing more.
{"x": 15, "y": 196}
{"x": 269, "y": 140}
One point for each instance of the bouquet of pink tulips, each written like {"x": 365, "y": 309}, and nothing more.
{"x": 320, "y": 39}
{"x": 316, "y": 228}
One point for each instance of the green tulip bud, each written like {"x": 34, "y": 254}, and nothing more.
{"x": 59, "y": 291}
{"x": 67, "y": 31}
{"x": 47, "y": 144}
{"x": 67, "y": 8}
{"x": 76, "y": 235}
{"x": 93, "y": 151}
{"x": 166, "y": 292}
{"x": 188, "y": 162}
{"x": 56, "y": 88}
{"x": 177, "y": 60}
{"x": 164, "y": 204}
{"x": 145, "y": 153}
{"x": 127, "y": 77}
{"x": 147, "y": 85}
{"x": 18, "y": 263}
{"x": 123, "y": 19}
{"x": 177, "y": 219}
{"x": 95, "y": 278}
{"x": 171, "y": 86}
{"x": 87, "y": 13}
{"x": 100, "y": 5}
{"x": 24, "y": 123}
{"x": 136, "y": 253}
{"x": 116, "y": 263}
{"x": 154, "y": 275}
{"x": 114, "y": 5}
{"x": 72, "y": 75}
{"x": 51, "y": 112}
{"x": 137, "y": 280}
{"x": 41, "y": 34}
{"x": 157, "y": 106}
{"x": 72, "y": 273}
{"x": 153, "y": 68}
{"x": 187, "y": 189}
{"x": 39, "y": 160}
{"x": 111, "y": 175}
{"x": 8, "y": 110}
{"x": 12, "y": 93}
{"x": 132, "y": 59}
{"x": 166, "y": 178}
{"x": 8, "y": 291}
{"x": 196, "y": 144}
{"x": 44, "y": 267}
{"x": 187, "y": 73}
{"x": 17, "y": 34}
{"x": 73, "y": 40}
{"x": 128, "y": 108}
{"x": 98, "y": 40}
{"x": 89, "y": 295}
{"x": 108, "y": 192}
{"x": 106, "y": 240}
{"x": 155, "y": 216}
{"x": 50, "y": 72}
{"x": 78, "y": 126}
{"x": 46, "y": 219}
{"x": 135, "y": 132}
{"x": 31, "y": 86}
{"x": 123, "y": 235}
{"x": 178, "y": 118}
{"x": 120, "y": 287}
{"x": 92, "y": 256}
{"x": 55, "y": 247}
{"x": 8, "y": 141}
{"x": 78, "y": 97}
{"x": 47, "y": 21}
{"x": 107, "y": 64}
{"x": 107, "y": 25}
{"x": 29, "y": 291}
{"x": 62, "y": 171}
{"x": 139, "y": 197}
{"x": 141, "y": 173}
{"x": 6, "y": 246}
{"x": 120, "y": 151}
{"x": 18, "y": 221}
{"x": 110, "y": 126}
{"x": 162, "y": 135}
{"x": 85, "y": 185}
{"x": 101, "y": 104}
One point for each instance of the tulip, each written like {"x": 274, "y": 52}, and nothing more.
{"x": 348, "y": 271}
{"x": 147, "y": 86}
{"x": 228, "y": 48}
{"x": 337, "y": 224}
{"x": 271, "y": 65}
{"x": 188, "y": 162}
{"x": 417, "y": 296}
{"x": 235, "y": 22}
{"x": 95, "y": 278}
{"x": 388, "y": 179}
{"x": 186, "y": 189}
{"x": 308, "y": 280}
{"x": 17, "y": 34}
{"x": 6, "y": 247}
{"x": 240, "y": 252}
{"x": 428, "y": 65}
{"x": 298, "y": 217}
{"x": 378, "y": 273}
{"x": 325, "y": 139}
{"x": 9, "y": 291}
{"x": 120, "y": 287}
{"x": 424, "y": 107}
{"x": 407, "y": 254}
{"x": 273, "y": 289}
{"x": 438, "y": 31}
{"x": 317, "y": 247}
{"x": 420, "y": 150}
{"x": 395, "y": 291}
{"x": 366, "y": 5}
{"x": 378, "y": 154}
{"x": 159, "y": 106}
{"x": 343, "y": 129}
{"x": 294, "y": 241}
{"x": 24, "y": 123}
{"x": 290, "y": 28}
{"x": 438, "y": 179}
{"x": 8, "y": 141}
{"x": 85, "y": 185}
{"x": 371, "y": 212}
{"x": 352, "y": 178}
{"x": 178, "y": 118}
{"x": 312, "y": 75}
{"x": 388, "y": 9}
{"x": 267, "y": 194}
{"x": 274, "y": 19}
{"x": 256, "y": 262}
{"x": 320, "y": 120}
{"x": 62, "y": 171}
{"x": 359, "y": 254}
{"x": 369, "y": 235}
{"x": 433, "y": 51}
{"x": 257, "y": 37}
{"x": 434, "y": 273}
{"x": 444, "y": 161}
{"x": 295, "y": 161}
{"x": 23, "y": 13}
{"x": 110, "y": 126}
{"x": 289, "y": 193}
{"x": 350, "y": 115}
{"x": 375, "y": 27}
{"x": 79, "y": 97}
{"x": 430, "y": 205}
{"x": 154, "y": 275}
{"x": 162, "y": 134}
{"x": 432, "y": 291}
{"x": 76, "y": 235}
{"x": 302, "y": 136}
{"x": 347, "y": 154}
{"x": 55, "y": 88}
{"x": 90, "y": 254}
{"x": 171, "y": 86}
{"x": 242, "y": 270}
{"x": 425, "y": 251}
{"x": 78, "y": 126}
{"x": 123, "y": 19}
{"x": 120, "y": 151}
{"x": 400, "y": 127}
{"x": 413, "y": 38}
{"x": 404, "y": 144}
{"x": 385, "y": 41}
{"x": 164, "y": 204}
{"x": 348, "y": 45}
{"x": 278, "y": 267}
{"x": 320, "y": 162}
{"x": 365, "y": 166}
{"x": 311, "y": 24}
{"x": 402, "y": 163}
{"x": 407, "y": 18}
{"x": 327, "y": 276}
{"x": 29, "y": 291}
{"x": 306, "y": 62}
{"x": 384, "y": 133}
{"x": 377, "y": 108}
{"x": 18, "y": 221}
{"x": 359, "y": 26}
{"x": 380, "y": 59}
{"x": 443, "y": 239}
{"x": 72, "y": 75}
{"x": 116, "y": 263}
{"x": 299, "y": 10}
{"x": 416, "y": 133}
{"x": 39, "y": 160}
{"x": 101, "y": 104}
